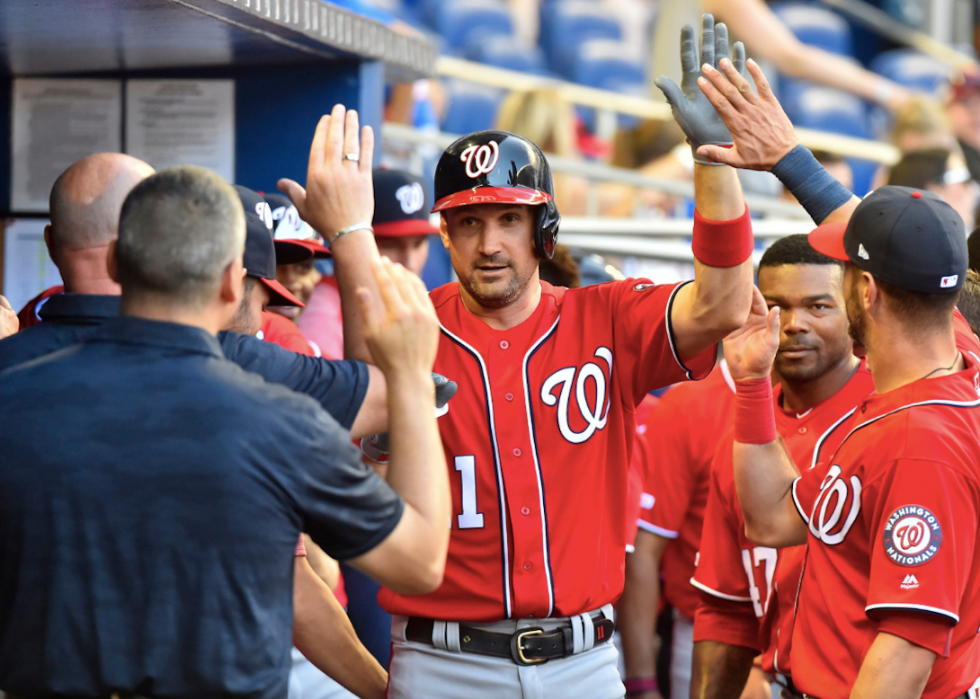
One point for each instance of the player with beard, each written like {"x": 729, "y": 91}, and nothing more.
{"x": 748, "y": 592}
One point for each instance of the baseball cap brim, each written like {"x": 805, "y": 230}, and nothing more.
{"x": 492, "y": 195}
{"x": 289, "y": 252}
{"x": 828, "y": 239}
{"x": 279, "y": 295}
{"x": 408, "y": 226}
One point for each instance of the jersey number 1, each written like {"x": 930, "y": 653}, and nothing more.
{"x": 470, "y": 518}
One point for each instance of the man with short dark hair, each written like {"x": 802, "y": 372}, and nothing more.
{"x": 889, "y": 600}
{"x": 748, "y": 592}
{"x": 189, "y": 480}
{"x": 942, "y": 172}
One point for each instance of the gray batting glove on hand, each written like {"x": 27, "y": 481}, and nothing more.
{"x": 692, "y": 110}
{"x": 376, "y": 446}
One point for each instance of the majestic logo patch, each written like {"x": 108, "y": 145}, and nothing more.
{"x": 912, "y": 535}
{"x": 480, "y": 160}
{"x": 643, "y": 287}
{"x": 862, "y": 253}
{"x": 910, "y": 582}
{"x": 411, "y": 197}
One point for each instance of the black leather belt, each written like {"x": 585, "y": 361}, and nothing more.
{"x": 529, "y": 646}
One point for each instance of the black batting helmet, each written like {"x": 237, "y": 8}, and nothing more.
{"x": 499, "y": 167}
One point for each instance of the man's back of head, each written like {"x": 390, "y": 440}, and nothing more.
{"x": 179, "y": 231}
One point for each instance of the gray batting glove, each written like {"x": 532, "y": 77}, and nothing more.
{"x": 692, "y": 110}
{"x": 377, "y": 446}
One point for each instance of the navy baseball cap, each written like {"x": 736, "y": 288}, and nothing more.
{"x": 260, "y": 250}
{"x": 906, "y": 237}
{"x": 289, "y": 229}
{"x": 401, "y": 206}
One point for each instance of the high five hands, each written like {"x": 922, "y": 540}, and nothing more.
{"x": 725, "y": 120}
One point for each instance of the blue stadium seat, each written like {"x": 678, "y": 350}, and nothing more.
{"x": 462, "y": 22}
{"x": 912, "y": 69}
{"x": 622, "y": 87}
{"x": 830, "y": 110}
{"x": 600, "y": 61}
{"x": 817, "y": 26}
{"x": 472, "y": 107}
{"x": 568, "y": 25}
{"x": 508, "y": 52}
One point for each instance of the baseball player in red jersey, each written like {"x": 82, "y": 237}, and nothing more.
{"x": 745, "y": 586}
{"x": 889, "y": 600}
{"x": 540, "y": 433}
{"x": 682, "y": 431}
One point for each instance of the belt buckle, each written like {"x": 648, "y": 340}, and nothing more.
{"x": 517, "y": 649}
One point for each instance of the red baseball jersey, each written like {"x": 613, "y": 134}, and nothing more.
{"x": 282, "y": 331}
{"x": 762, "y": 580}
{"x": 28, "y": 315}
{"x": 684, "y": 430}
{"x": 538, "y": 441}
{"x": 894, "y": 519}
{"x": 638, "y": 468}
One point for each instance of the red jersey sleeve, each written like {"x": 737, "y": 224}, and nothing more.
{"x": 645, "y": 342}
{"x": 669, "y": 480}
{"x": 729, "y": 597}
{"x": 923, "y": 543}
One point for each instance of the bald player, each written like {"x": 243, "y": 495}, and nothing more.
{"x": 9, "y": 322}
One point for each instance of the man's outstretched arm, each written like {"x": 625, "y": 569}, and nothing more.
{"x": 765, "y": 140}
{"x": 718, "y": 300}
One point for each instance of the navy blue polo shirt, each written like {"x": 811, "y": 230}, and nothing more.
{"x": 151, "y": 495}
{"x": 339, "y": 386}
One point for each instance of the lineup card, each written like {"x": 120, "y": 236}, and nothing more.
{"x": 55, "y": 123}
{"x": 182, "y": 122}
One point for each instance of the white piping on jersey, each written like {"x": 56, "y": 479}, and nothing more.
{"x": 918, "y": 607}
{"x": 537, "y": 464}
{"x": 659, "y": 531}
{"x": 727, "y": 374}
{"x": 819, "y": 445}
{"x": 670, "y": 330}
{"x": 496, "y": 458}
{"x": 720, "y": 595}
{"x": 799, "y": 506}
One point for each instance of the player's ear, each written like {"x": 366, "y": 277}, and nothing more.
{"x": 111, "y": 263}
{"x": 443, "y": 231}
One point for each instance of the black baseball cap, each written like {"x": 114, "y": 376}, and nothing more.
{"x": 903, "y": 236}
{"x": 260, "y": 250}
{"x": 290, "y": 230}
{"x": 401, "y": 205}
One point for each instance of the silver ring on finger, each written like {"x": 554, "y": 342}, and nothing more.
{"x": 354, "y": 157}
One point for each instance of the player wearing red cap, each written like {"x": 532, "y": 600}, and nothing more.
{"x": 889, "y": 601}
{"x": 745, "y": 586}
{"x": 540, "y": 433}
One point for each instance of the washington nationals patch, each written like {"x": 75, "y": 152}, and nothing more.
{"x": 912, "y": 535}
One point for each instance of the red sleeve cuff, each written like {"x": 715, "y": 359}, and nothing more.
{"x": 728, "y": 622}
{"x": 929, "y": 631}
{"x": 722, "y": 243}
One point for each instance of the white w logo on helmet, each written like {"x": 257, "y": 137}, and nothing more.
{"x": 480, "y": 160}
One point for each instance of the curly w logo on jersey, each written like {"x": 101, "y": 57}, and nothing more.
{"x": 828, "y": 521}
{"x": 594, "y": 414}
{"x": 912, "y": 535}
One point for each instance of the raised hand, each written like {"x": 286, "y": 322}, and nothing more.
{"x": 339, "y": 190}
{"x": 401, "y": 328}
{"x": 9, "y": 323}
{"x": 759, "y": 127}
{"x": 751, "y": 350}
{"x": 692, "y": 110}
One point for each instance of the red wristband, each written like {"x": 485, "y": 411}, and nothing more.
{"x": 638, "y": 685}
{"x": 722, "y": 243}
{"x": 755, "y": 418}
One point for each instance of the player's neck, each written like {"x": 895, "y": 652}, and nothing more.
{"x": 897, "y": 358}
{"x": 803, "y": 395}
{"x": 509, "y": 316}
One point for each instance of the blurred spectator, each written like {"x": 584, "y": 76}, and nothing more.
{"x": 963, "y": 110}
{"x": 943, "y": 172}
{"x": 922, "y": 123}
{"x": 9, "y": 324}
{"x": 561, "y": 269}
{"x": 969, "y": 301}
{"x": 973, "y": 247}
{"x": 766, "y": 38}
